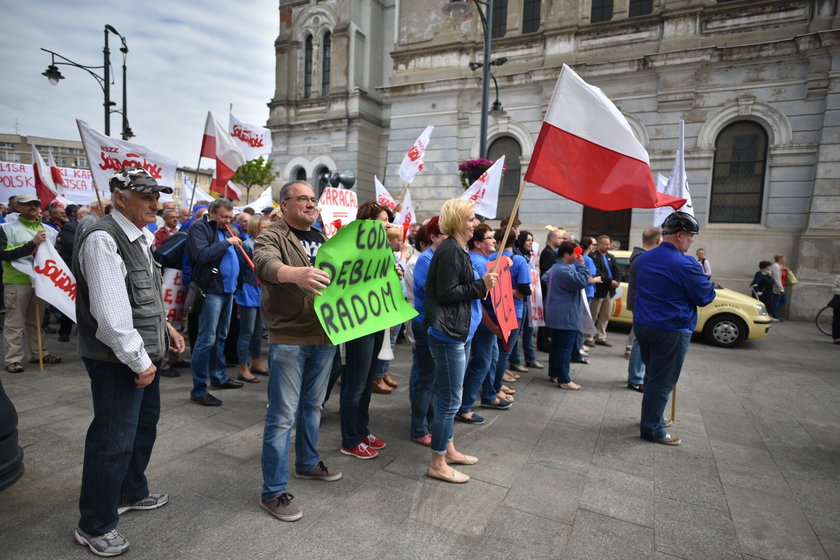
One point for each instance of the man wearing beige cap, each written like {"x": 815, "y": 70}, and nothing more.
{"x": 18, "y": 242}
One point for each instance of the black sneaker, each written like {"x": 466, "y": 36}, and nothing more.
{"x": 206, "y": 400}
{"x": 319, "y": 472}
{"x": 638, "y": 387}
{"x": 110, "y": 544}
{"x": 498, "y": 405}
{"x": 282, "y": 507}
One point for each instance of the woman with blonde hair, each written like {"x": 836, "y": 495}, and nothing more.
{"x": 453, "y": 313}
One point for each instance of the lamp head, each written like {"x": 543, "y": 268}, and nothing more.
{"x": 52, "y": 74}
{"x": 457, "y": 10}
{"x": 497, "y": 110}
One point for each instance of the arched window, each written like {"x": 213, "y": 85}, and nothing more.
{"x": 500, "y": 11}
{"x": 300, "y": 174}
{"x": 510, "y": 148}
{"x": 307, "y": 66}
{"x": 738, "y": 176}
{"x": 325, "y": 66}
{"x": 531, "y": 16}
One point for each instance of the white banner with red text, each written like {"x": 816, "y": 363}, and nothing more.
{"x": 18, "y": 178}
{"x": 53, "y": 281}
{"x": 338, "y": 208}
{"x": 174, "y": 295}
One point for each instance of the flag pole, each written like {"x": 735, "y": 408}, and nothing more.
{"x": 501, "y": 248}
{"x": 38, "y": 330}
{"x": 674, "y": 404}
{"x": 195, "y": 185}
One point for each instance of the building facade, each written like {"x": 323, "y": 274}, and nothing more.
{"x": 756, "y": 82}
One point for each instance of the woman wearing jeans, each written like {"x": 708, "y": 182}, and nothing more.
{"x": 565, "y": 280}
{"x": 453, "y": 312}
{"x": 248, "y": 299}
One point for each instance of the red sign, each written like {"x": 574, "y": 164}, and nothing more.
{"x": 502, "y": 298}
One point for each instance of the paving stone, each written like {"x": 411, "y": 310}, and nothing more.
{"x": 749, "y": 467}
{"x": 620, "y": 495}
{"x": 546, "y": 492}
{"x": 694, "y": 532}
{"x": 695, "y": 482}
{"x": 595, "y": 536}
{"x": 770, "y": 526}
{"x": 565, "y": 447}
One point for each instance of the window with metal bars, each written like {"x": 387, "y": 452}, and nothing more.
{"x": 738, "y": 175}
{"x": 325, "y": 66}
{"x": 602, "y": 10}
{"x": 307, "y": 67}
{"x": 531, "y": 16}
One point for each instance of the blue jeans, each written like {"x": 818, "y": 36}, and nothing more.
{"x": 560, "y": 355}
{"x": 663, "y": 353}
{"x": 249, "y": 344}
{"x": 450, "y": 364}
{"x": 779, "y": 301}
{"x": 635, "y": 368}
{"x": 118, "y": 444}
{"x": 421, "y": 383}
{"x": 527, "y": 327}
{"x": 493, "y": 383}
{"x": 208, "y": 357}
{"x": 297, "y": 383}
{"x": 359, "y": 372}
{"x": 484, "y": 355}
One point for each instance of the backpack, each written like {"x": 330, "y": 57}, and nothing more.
{"x": 171, "y": 252}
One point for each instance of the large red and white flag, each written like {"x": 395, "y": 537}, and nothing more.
{"x": 586, "y": 151}
{"x": 45, "y": 188}
{"x": 383, "y": 197}
{"x": 253, "y": 140}
{"x": 413, "y": 163}
{"x": 54, "y": 281}
{"x": 55, "y": 173}
{"x": 406, "y": 215}
{"x": 108, "y": 155}
{"x": 217, "y": 144}
{"x": 677, "y": 183}
{"x": 485, "y": 190}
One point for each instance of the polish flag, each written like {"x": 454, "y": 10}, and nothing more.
{"x": 676, "y": 184}
{"x": 383, "y": 197}
{"x": 586, "y": 152}
{"x": 253, "y": 140}
{"x": 45, "y": 188}
{"x": 217, "y": 144}
{"x": 485, "y": 191}
{"x": 406, "y": 214}
{"x": 412, "y": 163}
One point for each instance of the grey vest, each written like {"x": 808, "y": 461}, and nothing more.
{"x": 144, "y": 294}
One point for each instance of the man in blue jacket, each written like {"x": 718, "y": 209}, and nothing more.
{"x": 669, "y": 288}
{"x": 215, "y": 269}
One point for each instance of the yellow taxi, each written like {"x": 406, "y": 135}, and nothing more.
{"x": 729, "y": 320}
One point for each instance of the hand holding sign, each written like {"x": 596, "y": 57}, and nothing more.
{"x": 311, "y": 279}
{"x": 490, "y": 280}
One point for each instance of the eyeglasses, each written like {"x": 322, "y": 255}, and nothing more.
{"x": 303, "y": 199}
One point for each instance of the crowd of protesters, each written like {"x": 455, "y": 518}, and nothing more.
{"x": 251, "y": 278}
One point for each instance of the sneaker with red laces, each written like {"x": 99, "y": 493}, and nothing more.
{"x": 424, "y": 440}
{"x": 374, "y": 442}
{"x": 360, "y": 451}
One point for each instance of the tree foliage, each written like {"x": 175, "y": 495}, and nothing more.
{"x": 255, "y": 173}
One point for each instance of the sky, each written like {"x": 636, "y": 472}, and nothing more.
{"x": 185, "y": 58}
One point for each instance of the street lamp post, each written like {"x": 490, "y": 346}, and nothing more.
{"x": 458, "y": 10}
{"x": 53, "y": 74}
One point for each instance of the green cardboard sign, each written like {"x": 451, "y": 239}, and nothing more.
{"x": 364, "y": 295}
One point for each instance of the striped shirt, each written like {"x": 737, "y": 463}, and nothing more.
{"x": 105, "y": 272}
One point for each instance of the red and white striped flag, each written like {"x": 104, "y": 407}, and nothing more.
{"x": 45, "y": 188}
{"x": 55, "y": 173}
{"x": 406, "y": 214}
{"x": 586, "y": 152}
{"x": 485, "y": 190}
{"x": 217, "y": 144}
{"x": 383, "y": 197}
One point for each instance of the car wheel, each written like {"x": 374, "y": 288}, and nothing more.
{"x": 725, "y": 330}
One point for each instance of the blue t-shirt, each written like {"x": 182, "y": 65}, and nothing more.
{"x": 229, "y": 268}
{"x": 590, "y": 265}
{"x": 519, "y": 273}
{"x": 421, "y": 271}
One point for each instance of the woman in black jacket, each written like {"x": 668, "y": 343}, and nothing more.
{"x": 453, "y": 312}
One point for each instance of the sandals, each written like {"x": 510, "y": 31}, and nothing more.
{"x": 14, "y": 367}
{"x": 48, "y": 359}
{"x": 508, "y": 390}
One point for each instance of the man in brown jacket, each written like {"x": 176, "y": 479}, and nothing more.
{"x": 300, "y": 354}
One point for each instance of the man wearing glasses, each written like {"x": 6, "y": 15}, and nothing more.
{"x": 300, "y": 355}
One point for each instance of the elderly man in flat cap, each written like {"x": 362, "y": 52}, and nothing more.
{"x": 123, "y": 336}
